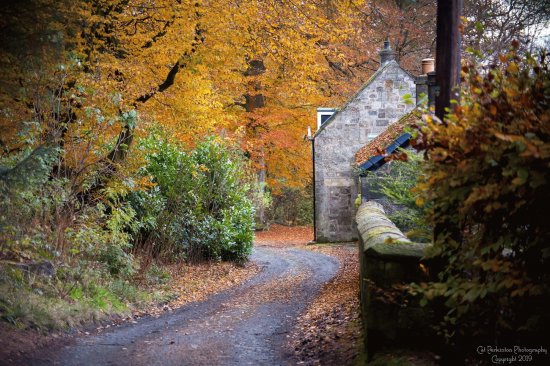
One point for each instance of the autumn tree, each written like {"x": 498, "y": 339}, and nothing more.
{"x": 121, "y": 65}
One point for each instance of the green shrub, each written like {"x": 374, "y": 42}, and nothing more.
{"x": 397, "y": 183}
{"x": 87, "y": 241}
{"x": 201, "y": 205}
{"x": 31, "y": 204}
{"x": 488, "y": 177}
{"x": 156, "y": 275}
{"x": 292, "y": 206}
{"x": 104, "y": 235}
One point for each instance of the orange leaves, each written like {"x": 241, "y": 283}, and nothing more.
{"x": 511, "y": 92}
{"x": 487, "y": 180}
{"x": 523, "y": 144}
{"x": 284, "y": 236}
{"x": 182, "y": 65}
{"x": 191, "y": 283}
{"x": 512, "y": 68}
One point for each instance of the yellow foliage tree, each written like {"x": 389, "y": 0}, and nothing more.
{"x": 94, "y": 71}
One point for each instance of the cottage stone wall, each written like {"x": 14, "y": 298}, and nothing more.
{"x": 369, "y": 113}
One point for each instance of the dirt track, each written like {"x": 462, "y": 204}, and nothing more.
{"x": 247, "y": 325}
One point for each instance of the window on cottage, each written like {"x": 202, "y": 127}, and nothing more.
{"x": 323, "y": 115}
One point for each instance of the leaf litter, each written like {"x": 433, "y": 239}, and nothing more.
{"x": 195, "y": 282}
{"x": 329, "y": 331}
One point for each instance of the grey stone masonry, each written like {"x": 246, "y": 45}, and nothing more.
{"x": 387, "y": 258}
{"x": 379, "y": 103}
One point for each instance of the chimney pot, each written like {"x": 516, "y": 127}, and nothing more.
{"x": 428, "y": 65}
{"x": 386, "y": 54}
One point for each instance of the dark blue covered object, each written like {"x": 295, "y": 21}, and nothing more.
{"x": 378, "y": 160}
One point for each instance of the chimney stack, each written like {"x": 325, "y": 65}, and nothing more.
{"x": 425, "y": 83}
{"x": 386, "y": 54}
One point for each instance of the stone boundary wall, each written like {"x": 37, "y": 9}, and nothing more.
{"x": 388, "y": 258}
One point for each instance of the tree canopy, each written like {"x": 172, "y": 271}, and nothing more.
{"x": 88, "y": 73}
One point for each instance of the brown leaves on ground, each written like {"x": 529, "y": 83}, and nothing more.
{"x": 284, "y": 236}
{"x": 196, "y": 282}
{"x": 15, "y": 341}
{"x": 329, "y": 332}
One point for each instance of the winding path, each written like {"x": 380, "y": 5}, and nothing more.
{"x": 246, "y": 325}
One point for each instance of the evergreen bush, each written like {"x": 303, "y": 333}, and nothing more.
{"x": 203, "y": 210}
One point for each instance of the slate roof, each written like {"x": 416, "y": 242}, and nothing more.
{"x": 394, "y": 133}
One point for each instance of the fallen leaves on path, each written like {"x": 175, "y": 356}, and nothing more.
{"x": 189, "y": 283}
{"x": 284, "y": 236}
{"x": 282, "y": 289}
{"x": 329, "y": 332}
{"x": 196, "y": 282}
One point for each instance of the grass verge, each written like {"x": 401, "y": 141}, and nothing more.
{"x": 63, "y": 301}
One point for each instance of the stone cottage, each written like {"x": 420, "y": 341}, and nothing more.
{"x": 341, "y": 133}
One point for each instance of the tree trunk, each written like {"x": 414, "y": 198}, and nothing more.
{"x": 256, "y": 100}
